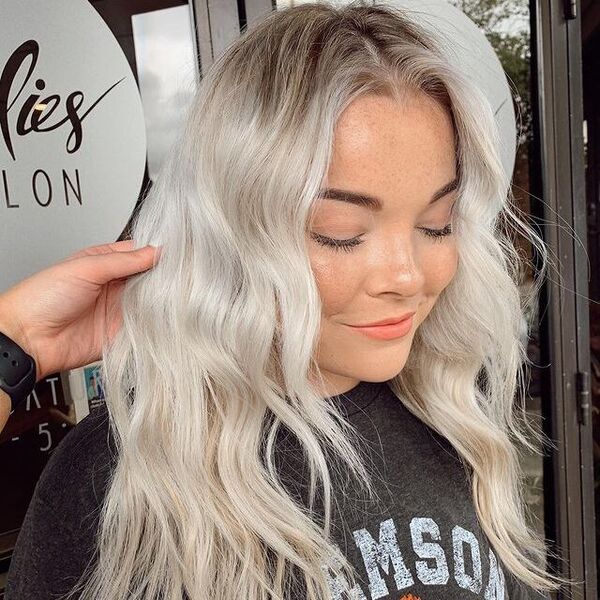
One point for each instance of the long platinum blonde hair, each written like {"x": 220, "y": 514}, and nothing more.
{"x": 218, "y": 338}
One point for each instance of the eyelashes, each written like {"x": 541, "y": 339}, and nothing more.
{"x": 345, "y": 245}
{"x": 436, "y": 235}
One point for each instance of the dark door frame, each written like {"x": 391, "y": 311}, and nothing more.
{"x": 566, "y": 410}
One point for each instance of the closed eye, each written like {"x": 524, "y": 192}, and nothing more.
{"x": 346, "y": 245}
{"x": 438, "y": 234}
{"x": 350, "y": 244}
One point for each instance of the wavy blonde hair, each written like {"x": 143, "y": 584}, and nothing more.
{"x": 218, "y": 338}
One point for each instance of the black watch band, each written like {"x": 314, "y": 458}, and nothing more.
{"x": 17, "y": 371}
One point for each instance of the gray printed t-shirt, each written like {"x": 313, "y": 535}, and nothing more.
{"x": 420, "y": 541}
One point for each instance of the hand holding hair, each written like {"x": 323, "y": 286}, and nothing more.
{"x": 60, "y": 315}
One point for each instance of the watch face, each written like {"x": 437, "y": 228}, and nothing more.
{"x": 13, "y": 375}
{"x": 31, "y": 433}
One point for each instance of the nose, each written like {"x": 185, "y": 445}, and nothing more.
{"x": 397, "y": 269}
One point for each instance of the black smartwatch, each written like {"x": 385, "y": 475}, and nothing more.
{"x": 17, "y": 371}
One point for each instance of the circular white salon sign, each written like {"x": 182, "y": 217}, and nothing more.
{"x": 72, "y": 134}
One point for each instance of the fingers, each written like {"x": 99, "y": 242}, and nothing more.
{"x": 117, "y": 260}
{"x": 105, "y": 267}
{"x": 123, "y": 245}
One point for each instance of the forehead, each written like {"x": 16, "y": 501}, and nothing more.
{"x": 380, "y": 142}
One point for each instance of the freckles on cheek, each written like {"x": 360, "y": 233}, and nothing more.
{"x": 440, "y": 271}
{"x": 336, "y": 283}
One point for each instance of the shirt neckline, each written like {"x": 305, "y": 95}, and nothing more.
{"x": 357, "y": 398}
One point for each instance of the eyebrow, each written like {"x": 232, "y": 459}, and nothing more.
{"x": 374, "y": 203}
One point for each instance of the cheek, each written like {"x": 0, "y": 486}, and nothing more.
{"x": 439, "y": 268}
{"x": 338, "y": 280}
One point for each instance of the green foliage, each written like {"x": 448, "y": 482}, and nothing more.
{"x": 506, "y": 25}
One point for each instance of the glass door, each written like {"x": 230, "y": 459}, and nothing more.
{"x": 539, "y": 43}
{"x": 565, "y": 314}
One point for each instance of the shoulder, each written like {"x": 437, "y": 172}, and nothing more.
{"x": 78, "y": 469}
{"x": 57, "y": 537}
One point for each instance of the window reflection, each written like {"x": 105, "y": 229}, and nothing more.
{"x": 167, "y": 72}
{"x": 159, "y": 39}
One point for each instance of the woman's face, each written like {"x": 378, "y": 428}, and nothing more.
{"x": 392, "y": 263}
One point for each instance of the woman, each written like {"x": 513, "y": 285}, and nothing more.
{"x": 259, "y": 440}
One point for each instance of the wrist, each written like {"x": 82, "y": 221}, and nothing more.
{"x": 15, "y": 330}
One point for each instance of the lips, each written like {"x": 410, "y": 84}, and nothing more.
{"x": 387, "y": 331}
{"x": 389, "y": 321}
